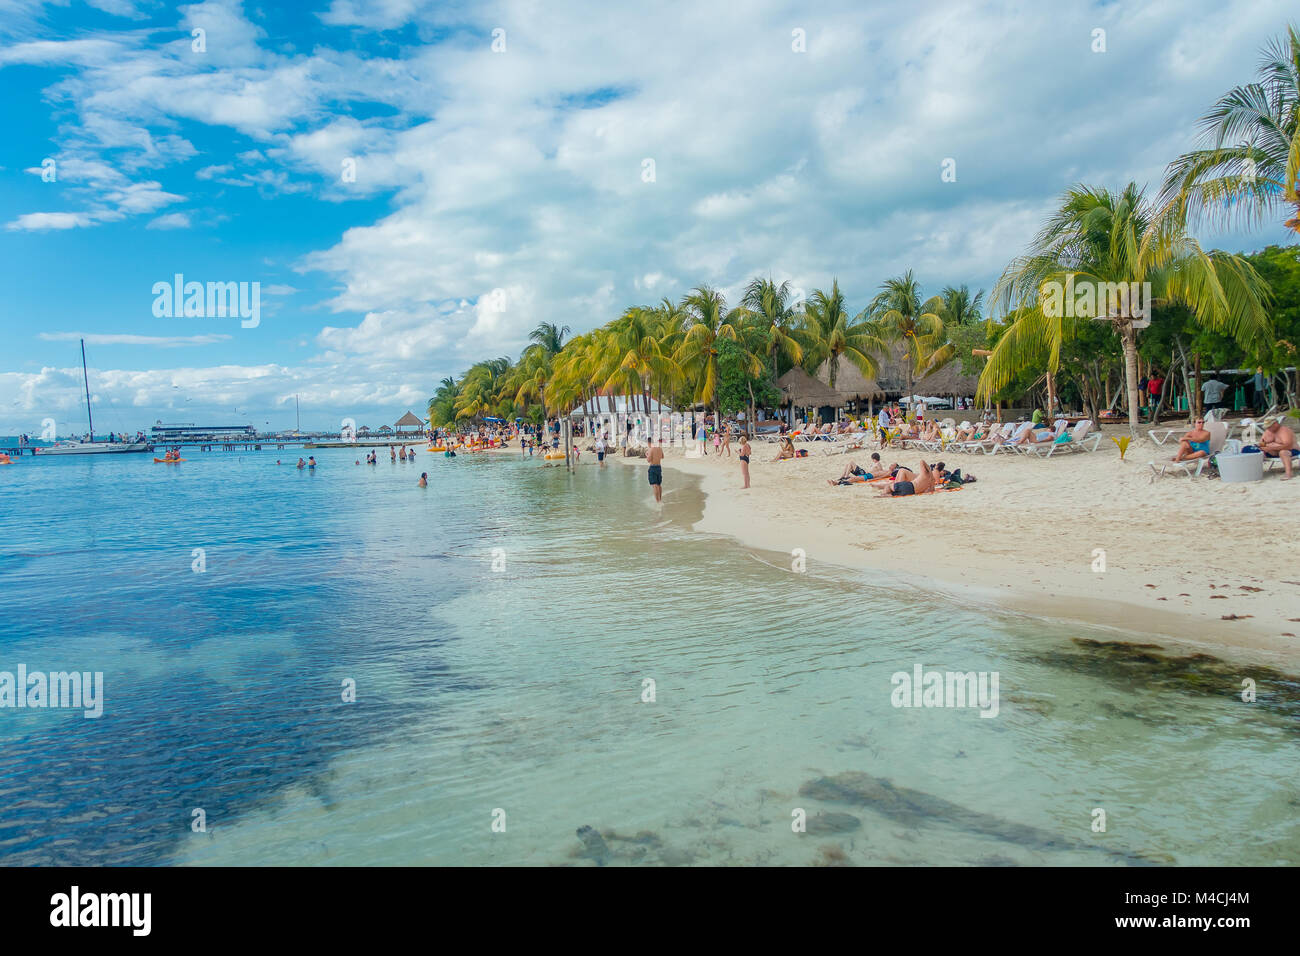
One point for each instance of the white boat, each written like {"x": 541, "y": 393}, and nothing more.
{"x": 91, "y": 447}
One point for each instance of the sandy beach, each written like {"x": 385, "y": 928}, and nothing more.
{"x": 1180, "y": 555}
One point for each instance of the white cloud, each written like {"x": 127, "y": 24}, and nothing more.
{"x": 172, "y": 220}
{"x": 44, "y": 221}
{"x": 523, "y": 171}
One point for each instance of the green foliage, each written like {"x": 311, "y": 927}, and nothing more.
{"x": 735, "y": 381}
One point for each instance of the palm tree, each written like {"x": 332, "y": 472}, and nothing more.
{"x": 529, "y": 379}
{"x": 480, "y": 390}
{"x": 635, "y": 353}
{"x": 901, "y": 316}
{"x": 832, "y": 335}
{"x": 670, "y": 320}
{"x": 1250, "y": 162}
{"x": 1089, "y": 252}
{"x": 697, "y": 355}
{"x": 442, "y": 406}
{"x": 959, "y": 307}
{"x": 549, "y": 336}
{"x": 775, "y": 321}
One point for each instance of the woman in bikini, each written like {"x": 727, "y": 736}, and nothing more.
{"x": 744, "y": 458}
{"x": 726, "y": 439}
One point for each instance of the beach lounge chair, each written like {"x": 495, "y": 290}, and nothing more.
{"x": 980, "y": 444}
{"x": 846, "y": 442}
{"x": 1162, "y": 435}
{"x": 1218, "y": 436}
{"x": 1033, "y": 448}
{"x": 1080, "y": 440}
{"x": 1010, "y": 433}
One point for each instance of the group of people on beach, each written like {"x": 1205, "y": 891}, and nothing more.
{"x": 1278, "y": 441}
{"x": 897, "y": 481}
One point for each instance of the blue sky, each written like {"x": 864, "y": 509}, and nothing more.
{"x": 521, "y": 170}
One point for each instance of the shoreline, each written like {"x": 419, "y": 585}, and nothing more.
{"x": 971, "y": 548}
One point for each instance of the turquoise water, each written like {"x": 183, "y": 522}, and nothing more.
{"x": 506, "y": 686}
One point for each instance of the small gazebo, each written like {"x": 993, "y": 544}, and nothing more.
{"x": 409, "y": 420}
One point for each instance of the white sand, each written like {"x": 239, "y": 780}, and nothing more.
{"x": 1180, "y": 553}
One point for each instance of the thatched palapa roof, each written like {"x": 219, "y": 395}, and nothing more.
{"x": 800, "y": 388}
{"x": 850, "y": 383}
{"x": 408, "y": 420}
{"x": 892, "y": 380}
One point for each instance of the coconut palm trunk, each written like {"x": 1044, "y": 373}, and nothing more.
{"x": 1128, "y": 337}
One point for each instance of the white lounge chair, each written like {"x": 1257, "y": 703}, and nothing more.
{"x": 1028, "y": 448}
{"x": 981, "y": 444}
{"x": 1010, "y": 434}
{"x": 1193, "y": 468}
{"x": 1082, "y": 439}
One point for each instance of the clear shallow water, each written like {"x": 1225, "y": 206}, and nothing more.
{"x": 520, "y": 689}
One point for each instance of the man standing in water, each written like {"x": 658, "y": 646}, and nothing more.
{"x": 654, "y": 457}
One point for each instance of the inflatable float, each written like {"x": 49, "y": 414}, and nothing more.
{"x": 169, "y": 461}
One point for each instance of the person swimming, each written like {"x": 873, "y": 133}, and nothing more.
{"x": 424, "y": 480}
{"x": 301, "y": 463}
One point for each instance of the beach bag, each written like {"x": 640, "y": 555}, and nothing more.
{"x": 801, "y": 452}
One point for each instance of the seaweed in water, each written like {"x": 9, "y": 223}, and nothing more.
{"x": 914, "y": 807}
{"x": 1137, "y": 664}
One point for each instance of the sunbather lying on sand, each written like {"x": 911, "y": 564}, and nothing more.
{"x": 909, "y": 483}
{"x": 854, "y": 471}
{"x": 1195, "y": 444}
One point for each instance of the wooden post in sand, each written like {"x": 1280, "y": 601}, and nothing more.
{"x": 566, "y": 427}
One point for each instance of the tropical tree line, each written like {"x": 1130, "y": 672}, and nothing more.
{"x": 1198, "y": 307}
{"x": 703, "y": 352}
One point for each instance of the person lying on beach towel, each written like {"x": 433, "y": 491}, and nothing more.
{"x": 910, "y": 483}
{"x": 855, "y": 474}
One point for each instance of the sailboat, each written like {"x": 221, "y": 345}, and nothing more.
{"x": 91, "y": 447}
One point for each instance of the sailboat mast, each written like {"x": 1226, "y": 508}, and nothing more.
{"x": 297, "y": 414}
{"x": 86, "y": 379}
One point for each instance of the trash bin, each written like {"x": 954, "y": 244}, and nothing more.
{"x": 1242, "y": 467}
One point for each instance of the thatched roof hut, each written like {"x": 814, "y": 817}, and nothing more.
{"x": 409, "y": 421}
{"x": 850, "y": 383}
{"x": 801, "y": 389}
{"x": 891, "y": 381}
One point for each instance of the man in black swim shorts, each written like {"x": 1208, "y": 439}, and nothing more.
{"x": 902, "y": 488}
{"x": 654, "y": 456}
